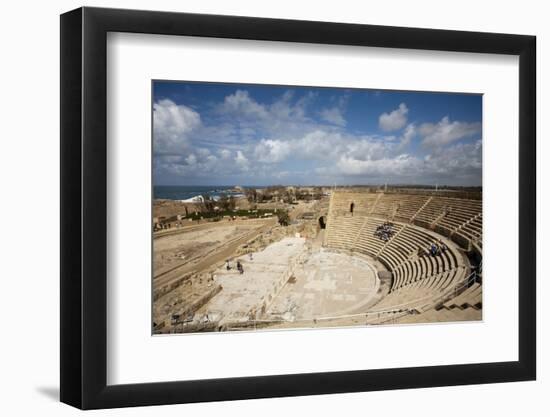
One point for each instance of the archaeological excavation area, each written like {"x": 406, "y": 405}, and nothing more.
{"x": 353, "y": 257}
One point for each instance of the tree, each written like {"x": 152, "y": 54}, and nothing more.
{"x": 284, "y": 218}
{"x": 251, "y": 195}
{"x": 266, "y": 195}
{"x": 288, "y": 196}
{"x": 209, "y": 204}
{"x": 223, "y": 202}
{"x": 318, "y": 194}
{"x": 227, "y": 203}
{"x": 232, "y": 203}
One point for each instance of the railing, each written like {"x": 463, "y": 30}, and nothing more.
{"x": 377, "y": 317}
{"x": 442, "y": 298}
{"x": 253, "y": 323}
{"x": 456, "y": 290}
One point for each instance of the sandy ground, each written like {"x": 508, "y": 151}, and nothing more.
{"x": 169, "y": 208}
{"x": 208, "y": 258}
{"x": 177, "y": 249}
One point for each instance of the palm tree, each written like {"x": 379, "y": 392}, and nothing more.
{"x": 284, "y": 219}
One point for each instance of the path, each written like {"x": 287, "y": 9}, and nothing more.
{"x": 218, "y": 256}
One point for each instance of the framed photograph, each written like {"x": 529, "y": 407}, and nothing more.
{"x": 257, "y": 208}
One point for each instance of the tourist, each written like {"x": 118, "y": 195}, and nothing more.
{"x": 351, "y": 207}
{"x": 227, "y": 266}
{"x": 240, "y": 267}
{"x": 433, "y": 249}
{"x": 384, "y": 231}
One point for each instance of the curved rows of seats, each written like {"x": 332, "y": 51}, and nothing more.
{"x": 409, "y": 206}
{"x": 418, "y": 278}
{"x": 420, "y": 294}
{"x": 386, "y": 205}
{"x": 342, "y": 231}
{"x": 466, "y": 306}
{"x": 459, "y": 219}
{"x": 399, "y": 254}
{"x": 368, "y": 242}
{"x": 459, "y": 213}
{"x": 341, "y": 202}
{"x": 473, "y": 231}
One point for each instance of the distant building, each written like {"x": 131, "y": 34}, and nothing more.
{"x": 196, "y": 199}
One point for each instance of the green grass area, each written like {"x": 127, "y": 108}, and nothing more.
{"x": 219, "y": 214}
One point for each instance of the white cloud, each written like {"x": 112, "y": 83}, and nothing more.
{"x": 408, "y": 136}
{"x": 283, "y": 118}
{"x": 367, "y": 149}
{"x": 203, "y": 152}
{"x": 241, "y": 161}
{"x": 457, "y": 164}
{"x": 241, "y": 104}
{"x": 172, "y": 125}
{"x": 395, "y": 120}
{"x": 229, "y": 146}
{"x": 318, "y": 144}
{"x": 461, "y": 159}
{"x": 191, "y": 159}
{"x": 445, "y": 132}
{"x": 333, "y": 115}
{"x": 397, "y": 166}
{"x": 225, "y": 153}
{"x": 271, "y": 151}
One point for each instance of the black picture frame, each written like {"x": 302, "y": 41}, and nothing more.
{"x": 84, "y": 207}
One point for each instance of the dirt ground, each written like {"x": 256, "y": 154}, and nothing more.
{"x": 170, "y": 251}
{"x": 170, "y": 208}
{"x": 185, "y": 260}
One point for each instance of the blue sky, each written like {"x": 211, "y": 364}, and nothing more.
{"x": 230, "y": 134}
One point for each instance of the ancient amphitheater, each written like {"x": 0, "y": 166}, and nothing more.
{"x": 422, "y": 288}
{"x": 343, "y": 271}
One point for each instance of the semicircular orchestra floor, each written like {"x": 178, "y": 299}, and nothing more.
{"x": 327, "y": 284}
